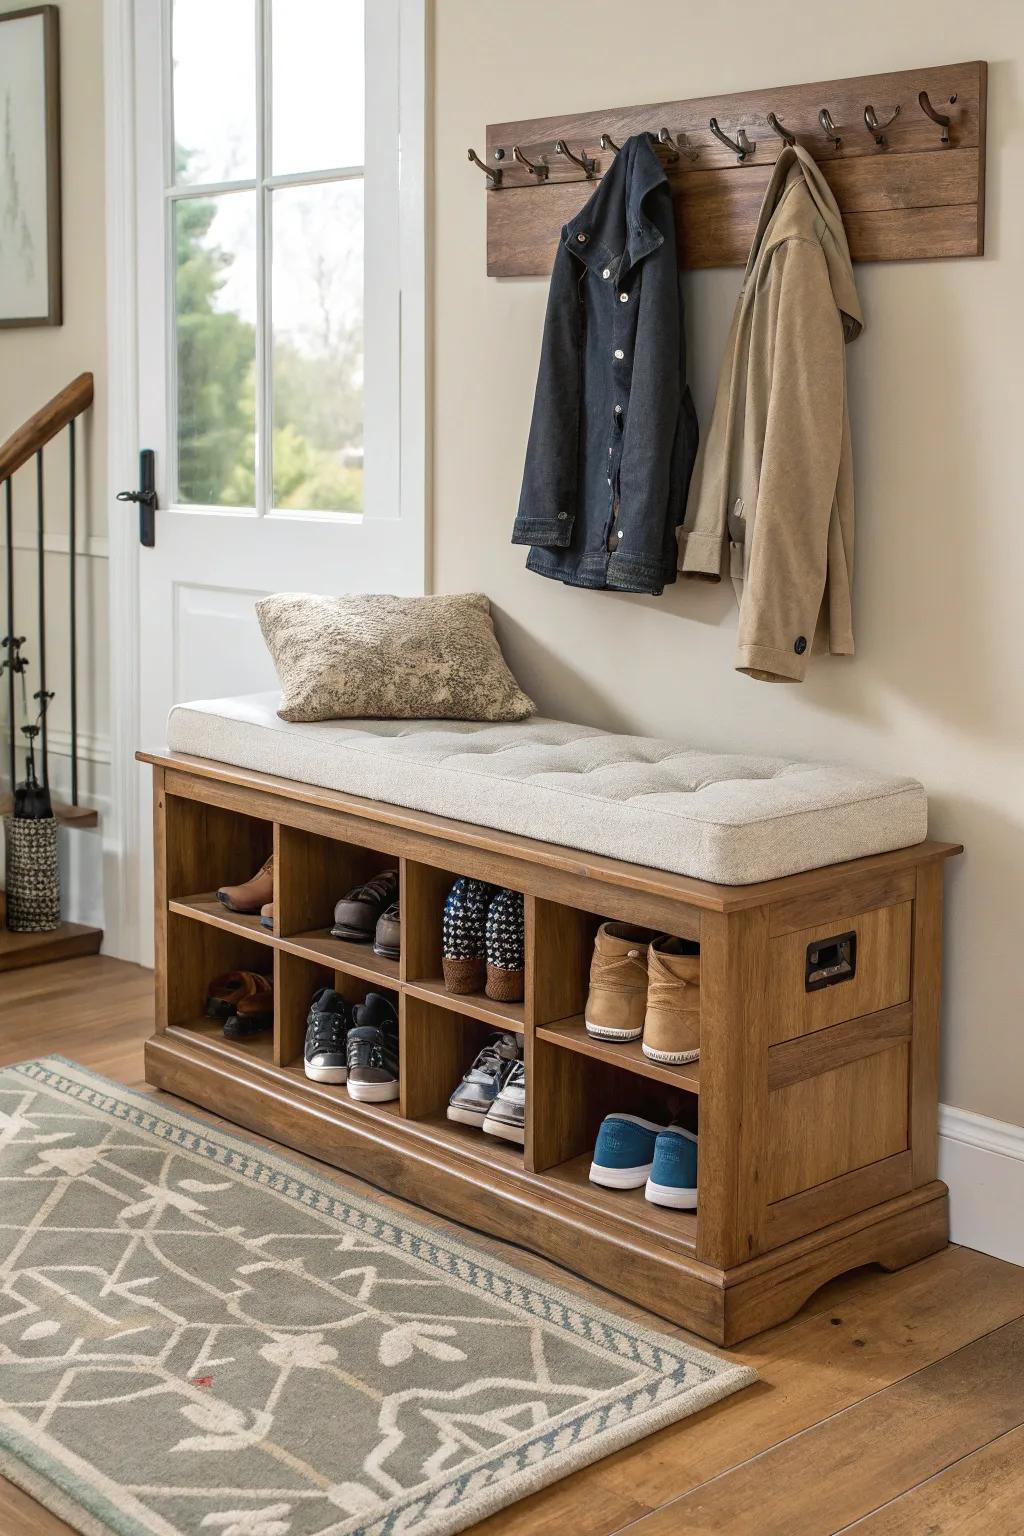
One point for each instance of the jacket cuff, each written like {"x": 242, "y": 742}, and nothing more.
{"x": 771, "y": 666}
{"x": 701, "y": 555}
{"x": 544, "y": 532}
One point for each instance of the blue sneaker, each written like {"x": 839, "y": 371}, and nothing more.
{"x": 624, "y": 1151}
{"x": 673, "y": 1178}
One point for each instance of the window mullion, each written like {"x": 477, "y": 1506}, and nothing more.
{"x": 264, "y": 250}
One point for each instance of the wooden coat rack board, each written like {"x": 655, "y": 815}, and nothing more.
{"x": 909, "y": 185}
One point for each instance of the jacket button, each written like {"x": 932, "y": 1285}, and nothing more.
{"x": 618, "y": 410}
{"x": 562, "y": 516}
{"x": 800, "y": 644}
{"x": 607, "y": 272}
{"x": 581, "y": 237}
{"x": 623, "y": 298}
{"x": 619, "y": 353}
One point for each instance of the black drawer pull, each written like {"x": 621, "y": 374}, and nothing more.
{"x": 830, "y": 961}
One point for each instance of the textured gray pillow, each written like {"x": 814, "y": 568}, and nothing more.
{"x": 389, "y": 658}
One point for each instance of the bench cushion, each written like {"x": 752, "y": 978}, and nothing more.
{"x": 731, "y": 818}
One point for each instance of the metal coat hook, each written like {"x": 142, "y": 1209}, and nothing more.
{"x": 585, "y": 163}
{"x": 875, "y": 127}
{"x": 676, "y": 147}
{"x": 776, "y": 127}
{"x": 607, "y": 142}
{"x": 539, "y": 170}
{"x": 493, "y": 176}
{"x": 740, "y": 146}
{"x": 942, "y": 118}
{"x": 828, "y": 127}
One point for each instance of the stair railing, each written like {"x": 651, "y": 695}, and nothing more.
{"x": 30, "y": 439}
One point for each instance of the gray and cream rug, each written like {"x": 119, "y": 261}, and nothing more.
{"x": 198, "y": 1336}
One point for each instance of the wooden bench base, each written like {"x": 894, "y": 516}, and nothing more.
{"x": 817, "y": 1105}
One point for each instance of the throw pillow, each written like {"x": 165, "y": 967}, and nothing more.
{"x": 377, "y": 656}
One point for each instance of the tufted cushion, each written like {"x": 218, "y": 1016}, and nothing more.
{"x": 727, "y": 817}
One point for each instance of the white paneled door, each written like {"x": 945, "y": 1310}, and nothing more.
{"x": 279, "y": 219}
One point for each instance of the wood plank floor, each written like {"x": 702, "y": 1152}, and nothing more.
{"x": 892, "y": 1405}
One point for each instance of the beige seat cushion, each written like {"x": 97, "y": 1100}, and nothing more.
{"x": 386, "y": 657}
{"x": 732, "y": 818}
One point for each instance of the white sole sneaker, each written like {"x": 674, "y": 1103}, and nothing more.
{"x": 516, "y": 1133}
{"x": 467, "y": 1116}
{"x": 601, "y": 1032}
{"x": 671, "y": 1195}
{"x": 325, "y": 1074}
{"x": 620, "y": 1178}
{"x": 373, "y": 1093}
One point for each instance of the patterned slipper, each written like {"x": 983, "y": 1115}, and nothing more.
{"x": 505, "y": 944}
{"x": 463, "y": 946}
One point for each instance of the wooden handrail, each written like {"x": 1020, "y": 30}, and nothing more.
{"x": 37, "y": 431}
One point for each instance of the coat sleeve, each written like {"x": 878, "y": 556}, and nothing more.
{"x": 702, "y": 538}
{"x": 788, "y": 534}
{"x": 547, "y": 501}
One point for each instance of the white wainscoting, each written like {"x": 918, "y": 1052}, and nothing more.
{"x": 982, "y": 1161}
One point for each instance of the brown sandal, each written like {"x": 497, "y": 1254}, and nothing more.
{"x": 225, "y": 993}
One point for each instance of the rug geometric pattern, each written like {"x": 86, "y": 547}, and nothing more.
{"x": 199, "y": 1336}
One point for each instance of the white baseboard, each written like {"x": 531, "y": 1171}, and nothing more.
{"x": 982, "y": 1161}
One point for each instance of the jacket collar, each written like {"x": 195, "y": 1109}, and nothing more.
{"x": 794, "y": 164}
{"x": 612, "y": 229}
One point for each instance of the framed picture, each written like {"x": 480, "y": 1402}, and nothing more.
{"x": 30, "y": 277}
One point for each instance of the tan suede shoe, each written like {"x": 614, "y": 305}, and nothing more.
{"x": 253, "y": 894}
{"x": 618, "y": 983}
{"x": 672, "y": 1025}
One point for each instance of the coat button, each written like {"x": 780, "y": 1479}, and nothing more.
{"x": 800, "y": 644}
{"x": 607, "y": 272}
{"x": 581, "y": 237}
{"x": 618, "y": 410}
{"x": 623, "y": 298}
{"x": 562, "y": 516}
{"x": 619, "y": 353}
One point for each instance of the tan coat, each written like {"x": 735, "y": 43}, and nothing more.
{"x": 774, "y": 479}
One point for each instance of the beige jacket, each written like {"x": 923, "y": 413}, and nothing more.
{"x": 774, "y": 478}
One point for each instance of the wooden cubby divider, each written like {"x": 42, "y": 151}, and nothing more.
{"x": 817, "y": 1119}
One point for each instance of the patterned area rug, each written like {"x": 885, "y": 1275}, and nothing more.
{"x": 198, "y": 1336}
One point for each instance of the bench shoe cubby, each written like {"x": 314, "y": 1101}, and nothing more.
{"x": 815, "y": 1095}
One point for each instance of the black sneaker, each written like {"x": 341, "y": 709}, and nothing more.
{"x": 327, "y": 1024}
{"x": 372, "y": 1050}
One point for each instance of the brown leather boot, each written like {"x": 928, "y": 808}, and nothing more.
{"x": 618, "y": 983}
{"x": 253, "y": 894}
{"x": 672, "y": 1024}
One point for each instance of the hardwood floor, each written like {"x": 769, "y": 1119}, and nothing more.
{"x": 892, "y": 1405}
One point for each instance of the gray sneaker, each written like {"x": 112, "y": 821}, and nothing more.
{"x": 507, "y": 1115}
{"x": 481, "y": 1085}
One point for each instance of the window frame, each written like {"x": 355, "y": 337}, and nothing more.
{"x": 394, "y": 295}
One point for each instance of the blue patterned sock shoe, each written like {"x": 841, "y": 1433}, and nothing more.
{"x": 505, "y": 943}
{"x": 463, "y": 944}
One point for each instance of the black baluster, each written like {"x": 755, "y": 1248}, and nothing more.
{"x": 43, "y": 701}
{"x": 72, "y": 612}
{"x": 11, "y": 652}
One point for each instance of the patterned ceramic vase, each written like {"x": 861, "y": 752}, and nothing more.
{"x": 33, "y": 881}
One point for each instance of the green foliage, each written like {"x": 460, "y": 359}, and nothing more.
{"x": 216, "y": 362}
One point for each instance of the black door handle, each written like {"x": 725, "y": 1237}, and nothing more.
{"x": 146, "y": 498}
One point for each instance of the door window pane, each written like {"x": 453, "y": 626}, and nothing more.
{"x": 215, "y": 348}
{"x": 318, "y": 91}
{"x": 317, "y": 314}
{"x": 214, "y": 61}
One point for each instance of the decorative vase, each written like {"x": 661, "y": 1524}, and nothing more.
{"x": 33, "y": 880}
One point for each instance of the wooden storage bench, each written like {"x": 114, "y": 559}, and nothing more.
{"x": 817, "y": 1098}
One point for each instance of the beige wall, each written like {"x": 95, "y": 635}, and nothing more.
{"x": 937, "y": 687}
{"x": 37, "y": 362}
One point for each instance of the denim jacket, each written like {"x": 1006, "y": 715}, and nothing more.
{"x": 614, "y": 432}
